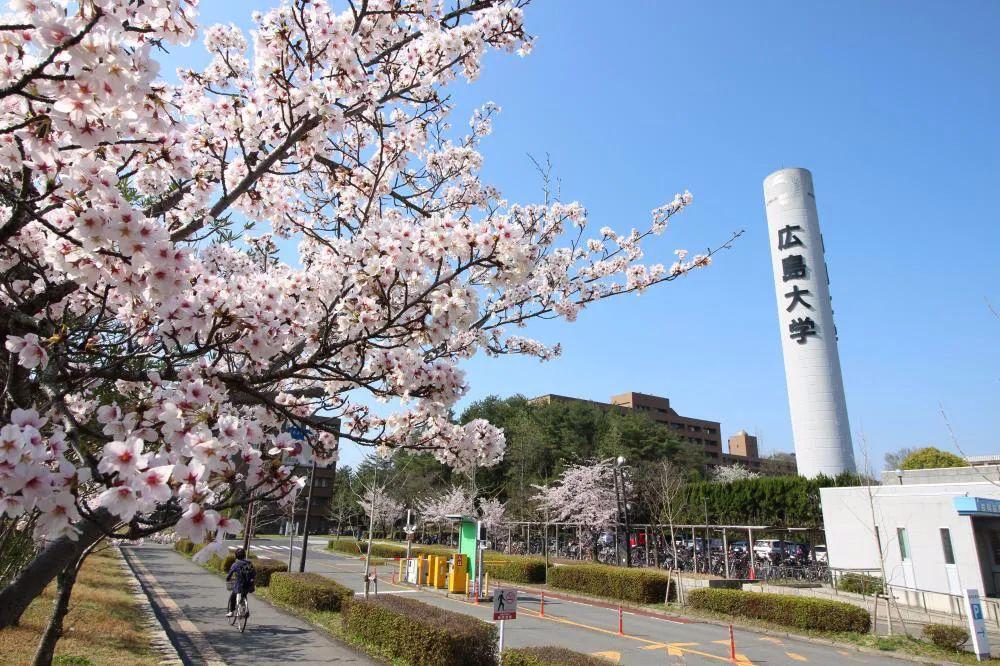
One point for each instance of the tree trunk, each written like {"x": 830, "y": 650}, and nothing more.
{"x": 46, "y": 565}
{"x": 47, "y": 645}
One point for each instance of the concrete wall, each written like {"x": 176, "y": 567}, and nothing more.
{"x": 812, "y": 364}
{"x": 922, "y": 510}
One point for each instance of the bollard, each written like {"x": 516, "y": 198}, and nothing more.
{"x": 486, "y": 584}
{"x": 542, "y": 613}
{"x": 620, "y": 631}
{"x": 732, "y": 645}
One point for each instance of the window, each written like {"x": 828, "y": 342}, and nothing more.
{"x": 904, "y": 544}
{"x": 949, "y": 553}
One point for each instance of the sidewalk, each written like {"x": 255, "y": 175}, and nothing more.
{"x": 190, "y": 603}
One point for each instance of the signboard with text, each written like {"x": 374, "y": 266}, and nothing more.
{"x": 977, "y": 624}
{"x": 504, "y": 604}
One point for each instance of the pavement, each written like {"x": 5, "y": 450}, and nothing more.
{"x": 190, "y": 603}
{"x": 590, "y": 628}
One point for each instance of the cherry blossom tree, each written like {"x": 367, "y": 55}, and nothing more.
{"x": 387, "y": 509}
{"x": 492, "y": 512}
{"x": 734, "y": 472}
{"x": 456, "y": 500}
{"x": 280, "y": 238}
{"x": 583, "y": 495}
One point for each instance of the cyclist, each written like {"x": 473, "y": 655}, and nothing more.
{"x": 243, "y": 574}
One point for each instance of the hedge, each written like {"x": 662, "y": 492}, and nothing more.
{"x": 421, "y": 634}
{"x": 309, "y": 591}
{"x": 946, "y": 636}
{"x": 265, "y": 568}
{"x": 548, "y": 656}
{"x": 386, "y": 550}
{"x": 783, "y": 609}
{"x": 860, "y": 584}
{"x": 516, "y": 569}
{"x": 640, "y": 585}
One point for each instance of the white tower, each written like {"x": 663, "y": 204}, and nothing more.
{"x": 808, "y": 337}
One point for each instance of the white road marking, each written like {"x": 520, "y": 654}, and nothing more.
{"x": 174, "y": 613}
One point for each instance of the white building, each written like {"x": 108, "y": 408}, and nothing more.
{"x": 939, "y": 532}
{"x": 808, "y": 336}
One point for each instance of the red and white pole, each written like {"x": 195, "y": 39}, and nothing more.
{"x": 620, "y": 631}
{"x": 732, "y": 645}
{"x": 542, "y": 613}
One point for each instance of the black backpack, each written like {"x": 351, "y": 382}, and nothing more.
{"x": 246, "y": 575}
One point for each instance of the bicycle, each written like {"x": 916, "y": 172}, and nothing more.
{"x": 242, "y": 612}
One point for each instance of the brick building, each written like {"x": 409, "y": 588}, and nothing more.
{"x": 699, "y": 432}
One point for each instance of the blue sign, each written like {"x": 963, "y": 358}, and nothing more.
{"x": 977, "y": 506}
{"x": 298, "y": 433}
{"x": 977, "y": 612}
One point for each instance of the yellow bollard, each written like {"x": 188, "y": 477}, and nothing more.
{"x": 457, "y": 576}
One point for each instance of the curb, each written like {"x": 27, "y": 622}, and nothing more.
{"x": 160, "y": 642}
{"x": 680, "y": 617}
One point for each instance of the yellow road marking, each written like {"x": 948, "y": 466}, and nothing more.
{"x": 654, "y": 646}
{"x": 742, "y": 659}
{"x": 616, "y": 657}
{"x": 796, "y": 657}
{"x": 173, "y": 612}
{"x": 571, "y": 623}
{"x": 769, "y": 639}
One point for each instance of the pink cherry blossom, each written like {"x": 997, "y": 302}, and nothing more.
{"x": 29, "y": 350}
{"x": 121, "y": 501}
{"x": 126, "y": 457}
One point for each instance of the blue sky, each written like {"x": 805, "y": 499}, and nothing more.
{"x": 892, "y": 105}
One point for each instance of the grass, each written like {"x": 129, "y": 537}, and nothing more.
{"x": 103, "y": 626}
{"x": 889, "y": 644}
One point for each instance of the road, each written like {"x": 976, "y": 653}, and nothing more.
{"x": 592, "y": 629}
{"x": 190, "y": 603}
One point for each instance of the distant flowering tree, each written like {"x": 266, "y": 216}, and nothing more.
{"x": 583, "y": 495}
{"x": 492, "y": 512}
{"x": 456, "y": 500}
{"x": 387, "y": 509}
{"x": 734, "y": 472}
{"x": 275, "y": 240}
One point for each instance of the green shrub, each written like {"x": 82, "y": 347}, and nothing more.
{"x": 783, "y": 609}
{"x": 946, "y": 636}
{"x": 640, "y": 585}
{"x": 418, "y": 633}
{"x": 860, "y": 584}
{"x": 386, "y": 550}
{"x": 309, "y": 591}
{"x": 265, "y": 567}
{"x": 516, "y": 569}
{"x": 548, "y": 656}
{"x": 183, "y": 546}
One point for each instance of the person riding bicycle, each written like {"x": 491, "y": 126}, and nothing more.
{"x": 243, "y": 574}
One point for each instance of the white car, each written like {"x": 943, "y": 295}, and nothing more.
{"x": 819, "y": 553}
{"x": 766, "y": 549}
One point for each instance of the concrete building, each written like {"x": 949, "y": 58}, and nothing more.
{"x": 699, "y": 432}
{"x": 939, "y": 532}
{"x": 808, "y": 336}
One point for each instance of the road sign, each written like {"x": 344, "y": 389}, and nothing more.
{"x": 504, "y": 604}
{"x": 977, "y": 626}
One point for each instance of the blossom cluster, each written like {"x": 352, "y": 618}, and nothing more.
{"x": 191, "y": 270}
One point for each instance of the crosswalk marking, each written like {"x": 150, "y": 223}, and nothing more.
{"x": 796, "y": 657}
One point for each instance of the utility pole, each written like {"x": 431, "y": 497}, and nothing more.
{"x": 618, "y": 510}
{"x": 628, "y": 536}
{"x": 371, "y": 528}
{"x": 248, "y": 529}
{"x": 305, "y": 522}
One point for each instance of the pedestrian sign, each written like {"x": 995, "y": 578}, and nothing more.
{"x": 504, "y": 604}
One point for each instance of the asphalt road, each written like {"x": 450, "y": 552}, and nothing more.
{"x": 190, "y": 603}
{"x": 591, "y": 629}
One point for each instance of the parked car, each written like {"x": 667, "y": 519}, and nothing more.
{"x": 819, "y": 553}
{"x": 739, "y": 546}
{"x": 769, "y": 549}
{"x": 799, "y": 551}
